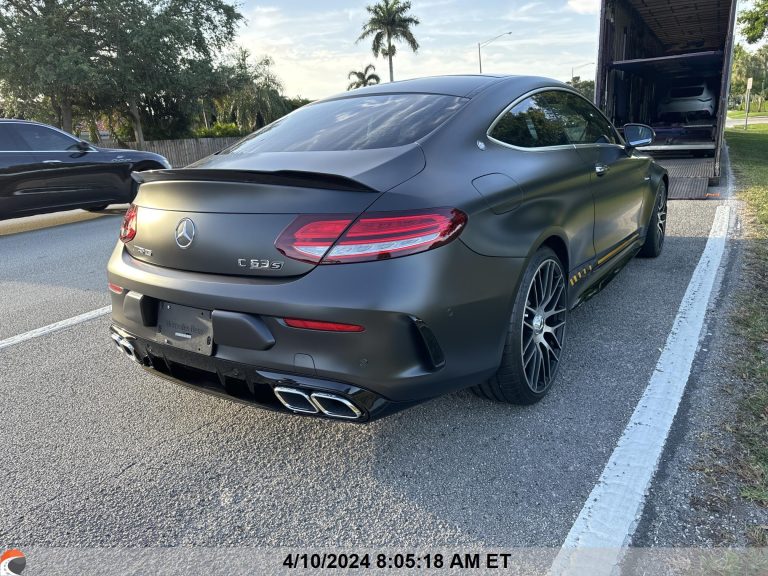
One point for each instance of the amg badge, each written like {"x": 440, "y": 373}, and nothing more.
{"x": 259, "y": 264}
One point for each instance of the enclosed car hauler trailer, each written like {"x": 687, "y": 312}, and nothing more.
{"x": 667, "y": 64}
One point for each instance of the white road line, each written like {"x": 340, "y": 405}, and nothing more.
{"x": 19, "y": 338}
{"x": 602, "y": 531}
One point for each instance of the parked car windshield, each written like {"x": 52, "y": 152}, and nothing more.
{"x": 360, "y": 123}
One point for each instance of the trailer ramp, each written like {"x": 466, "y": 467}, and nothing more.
{"x": 689, "y": 178}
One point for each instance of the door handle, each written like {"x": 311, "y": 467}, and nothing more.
{"x": 601, "y": 169}
{"x": 51, "y": 161}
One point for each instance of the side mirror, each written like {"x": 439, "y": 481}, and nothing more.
{"x": 638, "y": 135}
{"x": 83, "y": 146}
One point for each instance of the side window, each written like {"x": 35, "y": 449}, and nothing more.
{"x": 9, "y": 140}
{"x": 533, "y": 123}
{"x": 41, "y": 138}
{"x": 584, "y": 123}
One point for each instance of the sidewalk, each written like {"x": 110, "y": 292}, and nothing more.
{"x": 731, "y": 122}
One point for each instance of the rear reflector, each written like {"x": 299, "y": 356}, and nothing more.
{"x": 128, "y": 228}
{"x": 326, "y": 326}
{"x": 336, "y": 239}
{"x": 115, "y": 288}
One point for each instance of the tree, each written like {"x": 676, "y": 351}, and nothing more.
{"x": 740, "y": 69}
{"x": 367, "y": 77}
{"x": 389, "y": 21}
{"x": 15, "y": 105}
{"x": 254, "y": 96}
{"x": 754, "y": 21}
{"x": 150, "y": 49}
{"x": 296, "y": 103}
{"x": 47, "y": 50}
{"x": 149, "y": 60}
{"x": 747, "y": 65}
{"x": 586, "y": 87}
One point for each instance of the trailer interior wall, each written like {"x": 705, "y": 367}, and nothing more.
{"x": 648, "y": 47}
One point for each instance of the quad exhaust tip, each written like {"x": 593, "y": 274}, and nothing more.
{"x": 125, "y": 347}
{"x": 317, "y": 402}
{"x": 296, "y": 400}
{"x": 336, "y": 406}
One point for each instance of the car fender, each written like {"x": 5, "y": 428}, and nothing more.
{"x": 657, "y": 175}
{"x": 563, "y": 252}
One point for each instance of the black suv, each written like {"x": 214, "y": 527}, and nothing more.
{"x": 43, "y": 169}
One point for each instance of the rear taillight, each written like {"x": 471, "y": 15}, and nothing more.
{"x": 128, "y": 228}
{"x": 308, "y": 238}
{"x": 338, "y": 239}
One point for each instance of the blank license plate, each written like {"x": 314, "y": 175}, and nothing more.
{"x": 186, "y": 328}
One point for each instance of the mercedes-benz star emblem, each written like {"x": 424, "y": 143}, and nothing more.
{"x": 185, "y": 233}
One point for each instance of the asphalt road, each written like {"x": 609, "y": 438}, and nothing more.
{"x": 98, "y": 453}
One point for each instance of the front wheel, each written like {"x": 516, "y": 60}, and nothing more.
{"x": 657, "y": 227}
{"x": 536, "y": 336}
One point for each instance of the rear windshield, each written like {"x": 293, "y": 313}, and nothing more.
{"x": 687, "y": 92}
{"x": 360, "y": 123}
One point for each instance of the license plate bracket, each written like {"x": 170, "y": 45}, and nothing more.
{"x": 185, "y": 328}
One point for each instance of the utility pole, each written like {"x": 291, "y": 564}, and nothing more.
{"x": 749, "y": 90}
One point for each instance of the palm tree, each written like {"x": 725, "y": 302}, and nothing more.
{"x": 389, "y": 21}
{"x": 363, "y": 79}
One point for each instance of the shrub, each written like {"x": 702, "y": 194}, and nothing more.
{"x": 219, "y": 131}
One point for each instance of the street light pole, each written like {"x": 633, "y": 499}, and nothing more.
{"x": 481, "y": 44}
{"x": 573, "y": 68}
{"x": 479, "y": 58}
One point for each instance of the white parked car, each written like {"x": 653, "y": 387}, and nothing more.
{"x": 688, "y": 102}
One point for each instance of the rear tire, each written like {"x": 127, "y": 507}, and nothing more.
{"x": 536, "y": 335}
{"x": 657, "y": 226}
{"x": 98, "y": 208}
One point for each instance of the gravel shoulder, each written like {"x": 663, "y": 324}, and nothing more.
{"x": 696, "y": 500}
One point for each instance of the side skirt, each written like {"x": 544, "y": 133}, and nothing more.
{"x": 592, "y": 277}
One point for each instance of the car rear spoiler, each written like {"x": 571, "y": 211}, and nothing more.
{"x": 280, "y": 178}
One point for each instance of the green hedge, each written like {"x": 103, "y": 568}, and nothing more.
{"x": 219, "y": 131}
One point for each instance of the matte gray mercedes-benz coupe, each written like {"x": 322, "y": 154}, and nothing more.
{"x": 385, "y": 246}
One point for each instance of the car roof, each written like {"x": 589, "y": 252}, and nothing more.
{"x": 18, "y": 121}
{"x": 464, "y": 86}
{"x": 459, "y": 85}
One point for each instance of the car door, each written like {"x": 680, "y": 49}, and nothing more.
{"x": 21, "y": 179}
{"x": 552, "y": 175}
{"x": 73, "y": 176}
{"x": 619, "y": 179}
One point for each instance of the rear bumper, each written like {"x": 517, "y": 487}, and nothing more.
{"x": 434, "y": 322}
{"x": 696, "y": 108}
{"x": 247, "y": 384}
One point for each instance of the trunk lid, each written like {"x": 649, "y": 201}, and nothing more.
{"x": 220, "y": 217}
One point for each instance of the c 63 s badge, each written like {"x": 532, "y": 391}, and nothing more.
{"x": 259, "y": 264}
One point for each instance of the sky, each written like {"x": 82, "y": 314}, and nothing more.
{"x": 313, "y": 43}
